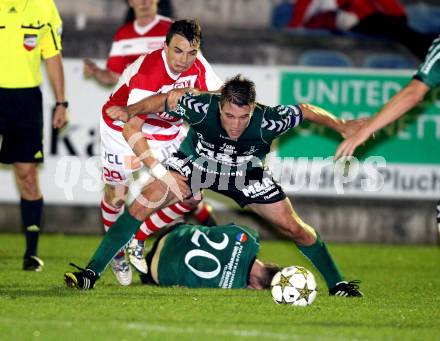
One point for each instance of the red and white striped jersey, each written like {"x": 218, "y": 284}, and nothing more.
{"x": 149, "y": 75}
{"x": 132, "y": 40}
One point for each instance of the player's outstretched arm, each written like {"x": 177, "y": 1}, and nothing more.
{"x": 397, "y": 106}
{"x": 132, "y": 133}
{"x": 152, "y": 104}
{"x": 322, "y": 117}
{"x": 175, "y": 94}
{"x": 103, "y": 76}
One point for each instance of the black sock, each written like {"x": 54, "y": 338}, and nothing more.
{"x": 31, "y": 211}
{"x": 438, "y": 219}
{"x": 438, "y": 213}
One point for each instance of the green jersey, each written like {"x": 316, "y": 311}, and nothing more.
{"x": 208, "y": 141}
{"x": 429, "y": 70}
{"x": 198, "y": 256}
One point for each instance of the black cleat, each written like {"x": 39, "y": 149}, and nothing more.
{"x": 83, "y": 280}
{"x": 32, "y": 263}
{"x": 346, "y": 289}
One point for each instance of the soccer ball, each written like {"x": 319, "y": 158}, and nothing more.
{"x": 294, "y": 285}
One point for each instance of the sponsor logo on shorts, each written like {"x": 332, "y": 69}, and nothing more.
{"x": 38, "y": 155}
{"x": 113, "y": 159}
{"x": 258, "y": 188}
{"x": 266, "y": 197}
{"x": 111, "y": 175}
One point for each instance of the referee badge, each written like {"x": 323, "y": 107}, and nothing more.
{"x": 30, "y": 41}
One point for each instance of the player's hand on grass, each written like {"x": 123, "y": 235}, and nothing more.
{"x": 118, "y": 113}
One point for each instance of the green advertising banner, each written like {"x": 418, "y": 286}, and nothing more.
{"x": 414, "y": 139}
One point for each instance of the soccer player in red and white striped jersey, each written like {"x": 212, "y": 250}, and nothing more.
{"x": 133, "y": 39}
{"x": 178, "y": 64}
{"x": 143, "y": 35}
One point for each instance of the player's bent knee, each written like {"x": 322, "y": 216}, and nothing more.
{"x": 137, "y": 209}
{"x": 300, "y": 233}
{"x": 293, "y": 229}
{"x": 115, "y": 196}
{"x": 154, "y": 194}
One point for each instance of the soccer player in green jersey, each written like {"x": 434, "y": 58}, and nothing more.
{"x": 230, "y": 135}
{"x": 198, "y": 256}
{"x": 426, "y": 78}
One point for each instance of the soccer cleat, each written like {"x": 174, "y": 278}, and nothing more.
{"x": 136, "y": 256}
{"x": 346, "y": 289}
{"x": 32, "y": 263}
{"x": 121, "y": 269}
{"x": 83, "y": 280}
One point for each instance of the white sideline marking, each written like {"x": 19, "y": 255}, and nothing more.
{"x": 189, "y": 330}
{"x": 150, "y": 327}
{"x": 167, "y": 329}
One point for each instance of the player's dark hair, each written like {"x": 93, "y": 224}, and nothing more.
{"x": 239, "y": 91}
{"x": 269, "y": 271}
{"x": 190, "y": 29}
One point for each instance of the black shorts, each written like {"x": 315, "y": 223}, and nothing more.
{"x": 21, "y": 125}
{"x": 248, "y": 186}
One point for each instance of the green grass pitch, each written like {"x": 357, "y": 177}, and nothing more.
{"x": 401, "y": 286}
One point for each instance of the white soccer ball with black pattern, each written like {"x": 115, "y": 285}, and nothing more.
{"x": 294, "y": 285}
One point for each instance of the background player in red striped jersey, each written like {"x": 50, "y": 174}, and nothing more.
{"x": 179, "y": 64}
{"x": 141, "y": 36}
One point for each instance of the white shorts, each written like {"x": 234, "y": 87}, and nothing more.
{"x": 119, "y": 161}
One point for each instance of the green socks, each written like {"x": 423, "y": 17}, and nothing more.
{"x": 320, "y": 257}
{"x": 117, "y": 237}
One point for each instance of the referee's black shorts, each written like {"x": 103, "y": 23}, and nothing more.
{"x": 21, "y": 125}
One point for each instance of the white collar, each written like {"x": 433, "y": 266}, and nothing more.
{"x": 141, "y": 30}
